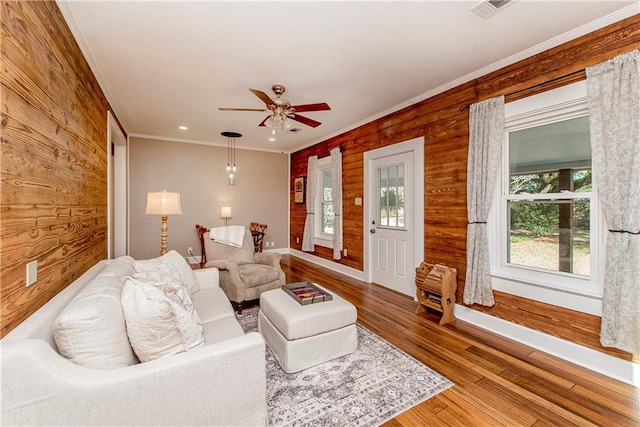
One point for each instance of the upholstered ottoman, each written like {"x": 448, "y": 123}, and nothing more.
{"x": 301, "y": 336}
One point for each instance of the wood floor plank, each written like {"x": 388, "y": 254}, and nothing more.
{"x": 567, "y": 399}
{"x": 497, "y": 381}
{"x": 585, "y": 377}
{"x": 533, "y": 409}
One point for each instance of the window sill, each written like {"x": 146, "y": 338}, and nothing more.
{"x": 326, "y": 243}
{"x": 584, "y": 301}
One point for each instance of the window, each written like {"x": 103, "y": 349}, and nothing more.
{"x": 548, "y": 198}
{"x": 544, "y": 226}
{"x": 391, "y": 205}
{"x": 324, "y": 226}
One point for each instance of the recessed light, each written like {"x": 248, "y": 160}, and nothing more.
{"x": 183, "y": 127}
{"x": 272, "y": 139}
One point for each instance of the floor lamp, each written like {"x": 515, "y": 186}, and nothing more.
{"x": 163, "y": 204}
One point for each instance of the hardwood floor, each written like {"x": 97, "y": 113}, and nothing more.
{"x": 499, "y": 382}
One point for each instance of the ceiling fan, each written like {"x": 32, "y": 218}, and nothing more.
{"x": 281, "y": 109}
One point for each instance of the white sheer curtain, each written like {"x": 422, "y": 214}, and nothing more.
{"x": 336, "y": 196}
{"x": 486, "y": 134}
{"x": 308, "y": 244}
{"x": 614, "y": 111}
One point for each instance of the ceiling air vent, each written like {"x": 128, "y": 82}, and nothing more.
{"x": 490, "y": 7}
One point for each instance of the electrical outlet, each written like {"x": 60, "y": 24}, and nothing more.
{"x": 345, "y": 252}
{"x": 32, "y": 272}
{"x": 297, "y": 240}
{"x": 190, "y": 250}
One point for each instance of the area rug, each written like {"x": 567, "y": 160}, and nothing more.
{"x": 365, "y": 388}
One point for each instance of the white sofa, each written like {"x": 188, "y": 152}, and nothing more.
{"x": 221, "y": 383}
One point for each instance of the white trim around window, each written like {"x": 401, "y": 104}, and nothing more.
{"x": 580, "y": 293}
{"x": 321, "y": 238}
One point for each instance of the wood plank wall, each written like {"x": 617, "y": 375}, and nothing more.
{"x": 443, "y": 122}
{"x": 53, "y": 204}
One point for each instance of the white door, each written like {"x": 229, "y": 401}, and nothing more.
{"x": 394, "y": 212}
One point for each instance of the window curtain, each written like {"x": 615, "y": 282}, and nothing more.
{"x": 613, "y": 89}
{"x": 308, "y": 244}
{"x": 336, "y": 197}
{"x": 486, "y": 134}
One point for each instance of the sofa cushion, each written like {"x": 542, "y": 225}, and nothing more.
{"x": 91, "y": 330}
{"x": 212, "y": 304}
{"x": 257, "y": 274}
{"x": 221, "y": 329}
{"x": 158, "y": 325}
{"x": 173, "y": 258}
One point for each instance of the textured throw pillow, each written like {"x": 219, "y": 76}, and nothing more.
{"x": 167, "y": 279}
{"x": 187, "y": 276}
{"x": 91, "y": 330}
{"x": 157, "y": 325}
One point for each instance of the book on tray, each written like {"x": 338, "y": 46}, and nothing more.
{"x": 306, "y": 293}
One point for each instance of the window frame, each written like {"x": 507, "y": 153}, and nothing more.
{"x": 321, "y": 238}
{"x": 540, "y": 284}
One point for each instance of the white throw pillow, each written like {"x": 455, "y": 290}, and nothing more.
{"x": 167, "y": 279}
{"x": 157, "y": 325}
{"x": 91, "y": 330}
{"x": 173, "y": 258}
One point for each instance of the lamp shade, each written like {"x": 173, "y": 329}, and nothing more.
{"x": 225, "y": 212}
{"x": 163, "y": 203}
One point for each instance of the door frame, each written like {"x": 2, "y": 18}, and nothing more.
{"x": 117, "y": 190}
{"x": 416, "y": 146}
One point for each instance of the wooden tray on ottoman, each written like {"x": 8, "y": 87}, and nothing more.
{"x": 306, "y": 293}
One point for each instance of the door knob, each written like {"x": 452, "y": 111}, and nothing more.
{"x": 372, "y": 231}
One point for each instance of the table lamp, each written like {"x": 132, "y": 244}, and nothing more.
{"x": 225, "y": 213}
{"x": 164, "y": 204}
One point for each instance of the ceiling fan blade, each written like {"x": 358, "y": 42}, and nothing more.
{"x": 305, "y": 120}
{"x": 263, "y": 123}
{"x": 322, "y": 106}
{"x": 263, "y": 96}
{"x": 243, "y": 109}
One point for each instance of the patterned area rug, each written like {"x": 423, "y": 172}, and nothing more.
{"x": 365, "y": 388}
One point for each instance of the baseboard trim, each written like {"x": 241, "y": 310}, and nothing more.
{"x": 614, "y": 367}
{"x": 347, "y": 271}
{"x": 277, "y": 250}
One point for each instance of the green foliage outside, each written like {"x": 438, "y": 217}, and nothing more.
{"x": 540, "y": 218}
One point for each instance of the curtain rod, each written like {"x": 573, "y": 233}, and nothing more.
{"x": 548, "y": 82}
{"x": 339, "y": 146}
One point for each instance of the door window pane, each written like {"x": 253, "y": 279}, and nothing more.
{"x": 391, "y": 200}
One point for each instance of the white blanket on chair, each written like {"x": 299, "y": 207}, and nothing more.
{"x": 232, "y": 235}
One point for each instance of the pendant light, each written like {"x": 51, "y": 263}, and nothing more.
{"x": 232, "y": 169}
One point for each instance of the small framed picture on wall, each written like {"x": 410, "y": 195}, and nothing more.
{"x": 298, "y": 190}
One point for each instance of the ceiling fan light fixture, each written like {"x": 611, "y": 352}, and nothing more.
{"x": 278, "y": 120}
{"x": 281, "y": 110}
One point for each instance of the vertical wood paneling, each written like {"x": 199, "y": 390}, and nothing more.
{"x": 443, "y": 122}
{"x": 53, "y": 201}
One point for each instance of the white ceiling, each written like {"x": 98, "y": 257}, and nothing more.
{"x": 163, "y": 64}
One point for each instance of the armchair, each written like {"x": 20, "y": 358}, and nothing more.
{"x": 244, "y": 275}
